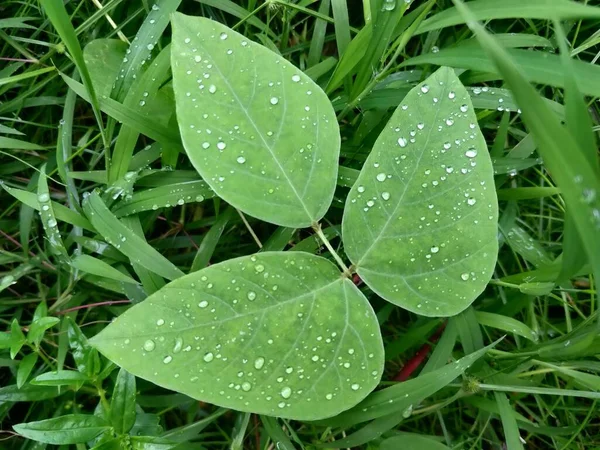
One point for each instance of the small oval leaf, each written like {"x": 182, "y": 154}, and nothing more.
{"x": 276, "y": 333}
{"x": 261, "y": 133}
{"x": 420, "y": 222}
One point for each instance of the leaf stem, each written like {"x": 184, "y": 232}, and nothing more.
{"x": 346, "y": 271}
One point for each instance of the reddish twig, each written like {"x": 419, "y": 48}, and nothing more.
{"x": 93, "y": 305}
{"x": 413, "y": 363}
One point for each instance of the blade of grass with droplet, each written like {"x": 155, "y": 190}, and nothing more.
{"x": 580, "y": 126}
{"x": 24, "y": 76}
{"x": 509, "y": 422}
{"x": 150, "y": 280}
{"x": 241, "y": 13}
{"x": 211, "y": 239}
{"x": 140, "y": 50}
{"x": 125, "y": 240}
{"x": 164, "y": 197}
{"x": 64, "y": 150}
{"x": 356, "y": 50}
{"x": 129, "y": 117}
{"x": 61, "y": 212}
{"x": 18, "y": 144}
{"x": 141, "y": 91}
{"x": 342, "y": 25}
{"x": 566, "y": 162}
{"x": 95, "y": 266}
{"x": 277, "y": 435}
{"x": 505, "y": 323}
{"x": 397, "y": 398}
{"x": 318, "y": 36}
{"x": 48, "y": 218}
{"x": 535, "y": 66}
{"x": 57, "y": 14}
{"x": 530, "y": 9}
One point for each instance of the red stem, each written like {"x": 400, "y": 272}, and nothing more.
{"x": 413, "y": 363}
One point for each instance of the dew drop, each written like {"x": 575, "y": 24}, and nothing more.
{"x": 259, "y": 268}
{"x": 435, "y": 249}
{"x": 471, "y": 201}
{"x": 160, "y": 322}
{"x": 212, "y": 89}
{"x": 286, "y": 392}
{"x": 208, "y": 357}
{"x": 241, "y": 160}
{"x": 451, "y": 95}
{"x": 149, "y": 345}
{"x": 274, "y": 100}
{"x": 251, "y": 295}
{"x": 42, "y": 198}
{"x": 259, "y": 363}
{"x": 295, "y": 78}
{"x": 221, "y": 145}
{"x": 402, "y": 142}
{"x": 355, "y": 387}
{"x": 425, "y": 89}
{"x": 381, "y": 176}
{"x": 471, "y": 153}
{"x": 167, "y": 359}
{"x": 203, "y": 304}
{"x": 329, "y": 396}
{"x": 223, "y": 36}
{"x": 246, "y": 386}
{"x": 464, "y": 276}
{"x": 385, "y": 195}
{"x": 361, "y": 189}
{"x": 197, "y": 58}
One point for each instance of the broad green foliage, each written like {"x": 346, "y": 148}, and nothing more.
{"x": 420, "y": 223}
{"x": 276, "y": 333}
{"x": 261, "y": 133}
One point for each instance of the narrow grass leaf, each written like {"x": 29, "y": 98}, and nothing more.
{"x": 125, "y": 240}
{"x": 55, "y": 9}
{"x": 397, "y": 398}
{"x": 507, "y": 324}
{"x": 535, "y": 66}
{"x": 210, "y": 241}
{"x": 7, "y": 143}
{"x": 281, "y": 134}
{"x": 318, "y": 37}
{"x": 186, "y": 337}
{"x": 577, "y": 180}
{"x": 140, "y": 50}
{"x": 277, "y": 435}
{"x": 95, "y": 266}
{"x": 420, "y": 222}
{"x": 508, "y": 9}
{"x": 166, "y": 196}
{"x": 509, "y": 422}
{"x": 409, "y": 441}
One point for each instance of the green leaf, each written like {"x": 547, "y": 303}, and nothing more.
{"x": 27, "y": 393}
{"x": 493, "y": 9}
{"x": 261, "y": 133}
{"x": 38, "y": 327}
{"x": 506, "y": 323}
{"x": 125, "y": 240}
{"x": 17, "y": 338}
{"x": 60, "y": 378}
{"x": 420, "y": 222}
{"x": 103, "y": 58}
{"x": 71, "y": 429}
{"x": 86, "y": 357}
{"x": 275, "y": 333}
{"x": 25, "y": 367}
{"x": 122, "y": 403}
{"x": 410, "y": 441}
{"x": 95, "y": 266}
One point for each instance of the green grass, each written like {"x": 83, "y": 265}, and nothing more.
{"x": 65, "y": 274}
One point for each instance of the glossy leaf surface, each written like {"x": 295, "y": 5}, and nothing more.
{"x": 276, "y": 333}
{"x": 420, "y": 222}
{"x": 261, "y": 133}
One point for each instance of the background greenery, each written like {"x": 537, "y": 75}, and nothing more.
{"x": 537, "y": 388}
